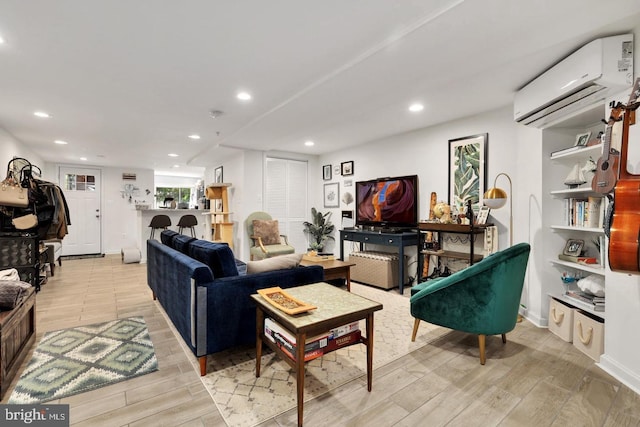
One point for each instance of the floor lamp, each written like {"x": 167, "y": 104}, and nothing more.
{"x": 495, "y": 198}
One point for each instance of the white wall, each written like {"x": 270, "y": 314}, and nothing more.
{"x": 11, "y": 147}
{"x": 245, "y": 172}
{"x": 119, "y": 220}
{"x": 425, "y": 153}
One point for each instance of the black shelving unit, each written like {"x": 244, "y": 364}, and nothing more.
{"x": 20, "y": 251}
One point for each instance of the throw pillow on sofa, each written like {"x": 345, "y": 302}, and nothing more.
{"x": 267, "y": 230}
{"x": 218, "y": 256}
{"x": 281, "y": 262}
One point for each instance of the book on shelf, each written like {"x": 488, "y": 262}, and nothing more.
{"x": 325, "y": 342}
{"x": 596, "y": 303}
{"x": 334, "y": 344}
{"x": 583, "y": 212}
{"x": 578, "y": 259}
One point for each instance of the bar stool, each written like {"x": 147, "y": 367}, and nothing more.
{"x": 159, "y": 221}
{"x": 188, "y": 221}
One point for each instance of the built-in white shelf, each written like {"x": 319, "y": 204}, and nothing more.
{"x": 590, "y": 268}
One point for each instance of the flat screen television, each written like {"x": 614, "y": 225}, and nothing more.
{"x": 387, "y": 203}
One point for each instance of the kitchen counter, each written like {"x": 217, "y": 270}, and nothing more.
{"x": 144, "y": 219}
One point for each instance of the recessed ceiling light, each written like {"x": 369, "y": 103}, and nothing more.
{"x": 244, "y": 96}
{"x": 83, "y": 158}
{"x": 176, "y": 166}
{"x": 416, "y": 107}
{"x": 1, "y": 40}
{"x": 60, "y": 142}
{"x": 309, "y": 143}
{"x": 173, "y": 155}
{"x": 194, "y": 136}
{"x": 42, "y": 114}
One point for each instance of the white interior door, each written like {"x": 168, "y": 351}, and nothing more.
{"x": 81, "y": 187}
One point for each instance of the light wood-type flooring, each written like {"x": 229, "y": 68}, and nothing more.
{"x": 536, "y": 379}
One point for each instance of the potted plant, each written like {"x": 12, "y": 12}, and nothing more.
{"x": 319, "y": 230}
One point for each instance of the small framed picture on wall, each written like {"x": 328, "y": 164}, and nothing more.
{"x": 326, "y": 172}
{"x": 346, "y": 168}
{"x": 332, "y": 195}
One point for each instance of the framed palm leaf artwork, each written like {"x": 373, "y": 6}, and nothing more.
{"x": 467, "y": 170}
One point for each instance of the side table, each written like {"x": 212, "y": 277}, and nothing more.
{"x": 334, "y": 269}
{"x": 336, "y": 307}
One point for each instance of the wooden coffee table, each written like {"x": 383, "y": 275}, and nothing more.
{"x": 336, "y": 307}
{"x": 334, "y": 269}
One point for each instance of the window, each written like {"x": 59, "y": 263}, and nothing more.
{"x": 178, "y": 194}
{"x": 75, "y": 182}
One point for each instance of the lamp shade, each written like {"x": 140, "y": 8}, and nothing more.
{"x": 495, "y": 198}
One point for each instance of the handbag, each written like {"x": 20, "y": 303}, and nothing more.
{"x": 25, "y": 222}
{"x": 12, "y": 194}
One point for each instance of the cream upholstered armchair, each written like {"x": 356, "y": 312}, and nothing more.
{"x": 265, "y": 234}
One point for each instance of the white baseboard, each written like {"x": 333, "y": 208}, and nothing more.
{"x": 619, "y": 372}
{"x": 539, "y": 322}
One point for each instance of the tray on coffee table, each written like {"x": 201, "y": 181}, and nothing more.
{"x": 285, "y": 302}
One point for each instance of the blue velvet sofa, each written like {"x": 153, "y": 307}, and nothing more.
{"x": 205, "y": 291}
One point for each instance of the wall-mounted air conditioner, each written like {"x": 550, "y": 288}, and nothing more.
{"x": 589, "y": 75}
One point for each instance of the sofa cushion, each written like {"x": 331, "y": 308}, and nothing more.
{"x": 217, "y": 256}
{"x": 267, "y": 230}
{"x": 181, "y": 243}
{"x": 242, "y": 267}
{"x": 166, "y": 237}
{"x": 276, "y": 263}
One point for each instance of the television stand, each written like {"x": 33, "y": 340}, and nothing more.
{"x": 400, "y": 240}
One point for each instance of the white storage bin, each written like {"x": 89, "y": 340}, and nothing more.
{"x": 561, "y": 319}
{"x": 588, "y": 334}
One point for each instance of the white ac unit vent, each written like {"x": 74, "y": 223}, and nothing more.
{"x": 594, "y": 72}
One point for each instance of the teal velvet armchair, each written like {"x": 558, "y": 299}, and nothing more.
{"x": 482, "y": 299}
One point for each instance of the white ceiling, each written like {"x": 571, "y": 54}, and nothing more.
{"x": 127, "y": 81}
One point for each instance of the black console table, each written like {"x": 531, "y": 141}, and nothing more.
{"x": 399, "y": 240}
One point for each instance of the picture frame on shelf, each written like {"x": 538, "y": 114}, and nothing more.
{"x": 573, "y": 247}
{"x": 582, "y": 139}
{"x": 346, "y": 168}
{"x": 331, "y": 195}
{"x": 467, "y": 170}
{"x": 217, "y": 175}
{"x": 483, "y": 215}
{"x": 326, "y": 173}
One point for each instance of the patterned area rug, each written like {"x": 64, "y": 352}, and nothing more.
{"x": 72, "y": 361}
{"x": 244, "y": 400}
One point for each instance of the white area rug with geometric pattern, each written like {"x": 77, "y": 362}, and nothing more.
{"x": 75, "y": 360}
{"x": 244, "y": 400}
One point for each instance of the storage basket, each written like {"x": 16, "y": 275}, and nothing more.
{"x": 377, "y": 268}
{"x": 588, "y": 334}
{"x": 561, "y": 319}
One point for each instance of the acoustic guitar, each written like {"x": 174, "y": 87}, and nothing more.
{"x": 607, "y": 167}
{"x": 624, "y": 252}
